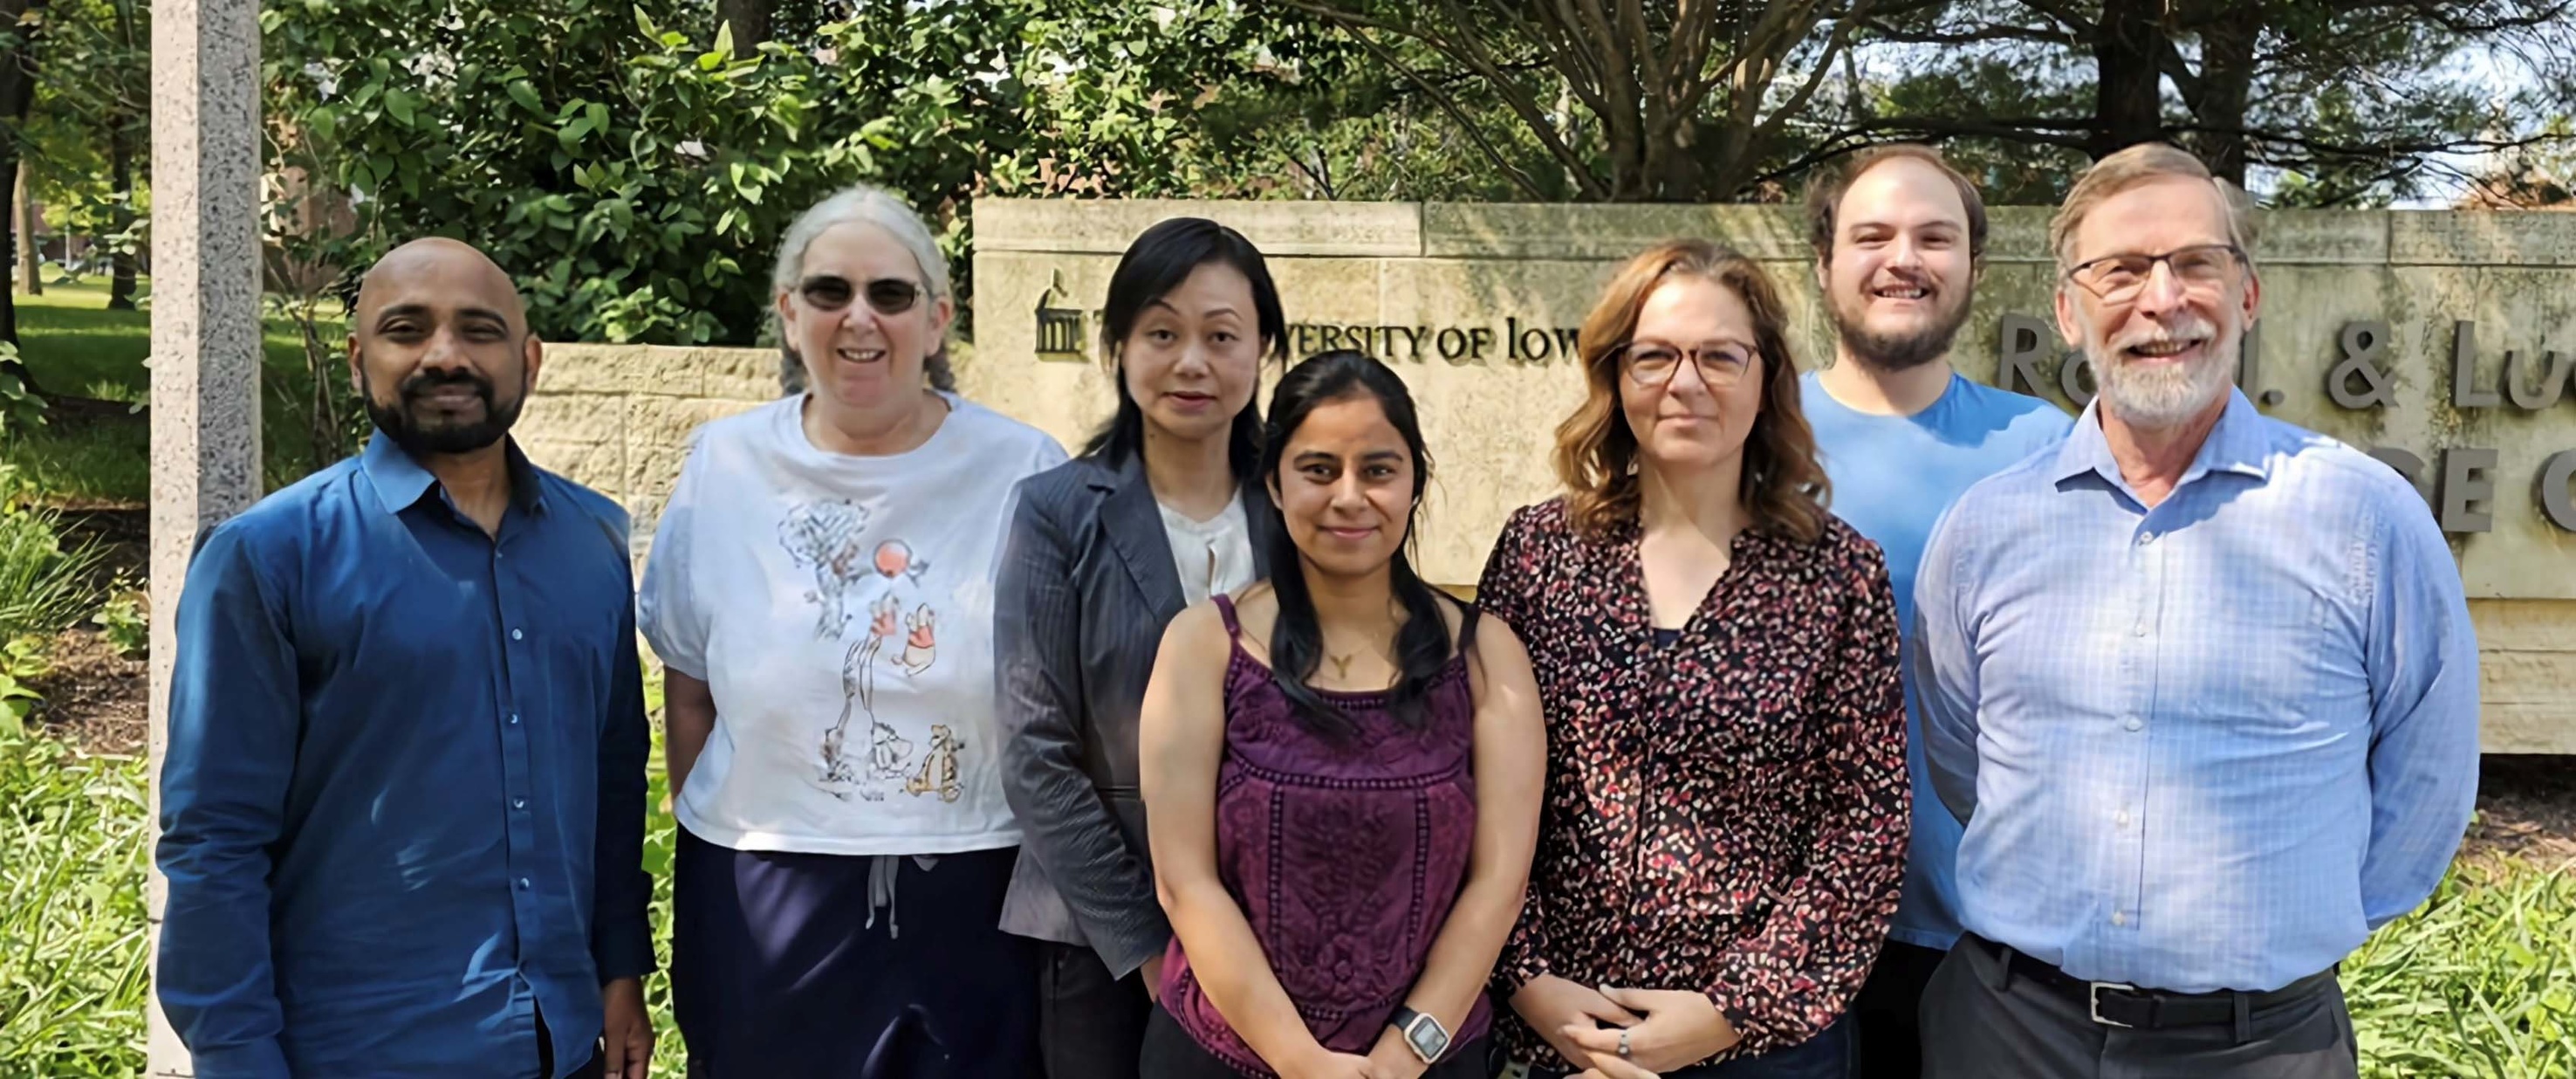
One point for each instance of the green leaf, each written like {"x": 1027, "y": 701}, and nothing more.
{"x": 644, "y": 24}
{"x": 598, "y": 114}
{"x": 525, "y": 95}
{"x": 724, "y": 41}
{"x": 399, "y": 105}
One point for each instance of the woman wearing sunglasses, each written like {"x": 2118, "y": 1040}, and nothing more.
{"x": 1726, "y": 813}
{"x": 1159, "y": 512}
{"x": 820, "y": 593}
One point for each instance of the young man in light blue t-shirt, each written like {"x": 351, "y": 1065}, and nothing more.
{"x": 1900, "y": 240}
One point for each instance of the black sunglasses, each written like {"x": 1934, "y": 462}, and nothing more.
{"x": 887, "y": 295}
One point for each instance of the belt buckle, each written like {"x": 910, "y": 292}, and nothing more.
{"x": 2093, "y": 1000}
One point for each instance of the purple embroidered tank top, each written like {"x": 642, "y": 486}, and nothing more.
{"x": 1345, "y": 854}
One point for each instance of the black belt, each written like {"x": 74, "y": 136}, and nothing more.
{"x": 2115, "y": 1004}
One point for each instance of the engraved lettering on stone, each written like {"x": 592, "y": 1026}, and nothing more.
{"x": 2024, "y": 341}
{"x": 2554, "y": 498}
{"x": 2552, "y": 384}
{"x": 2465, "y": 393}
{"x": 2467, "y": 495}
{"x": 2364, "y": 345}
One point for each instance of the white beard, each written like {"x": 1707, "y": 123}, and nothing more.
{"x": 2162, "y": 397}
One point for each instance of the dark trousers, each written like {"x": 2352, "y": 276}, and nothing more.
{"x": 1885, "y": 1014}
{"x": 1170, "y": 1053}
{"x": 1828, "y": 1055}
{"x": 1982, "y": 1021}
{"x": 596, "y": 1069}
{"x": 1090, "y": 1025}
{"x": 783, "y": 964}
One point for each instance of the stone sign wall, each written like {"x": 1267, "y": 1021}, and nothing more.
{"x": 2426, "y": 337}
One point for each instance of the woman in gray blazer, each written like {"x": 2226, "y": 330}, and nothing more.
{"x": 1160, "y": 511}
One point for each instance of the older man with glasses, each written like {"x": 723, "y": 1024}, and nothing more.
{"x": 2201, "y": 685}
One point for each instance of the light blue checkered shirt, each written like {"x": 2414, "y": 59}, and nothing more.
{"x": 2206, "y": 746}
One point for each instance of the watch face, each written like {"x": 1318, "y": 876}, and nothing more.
{"x": 1428, "y": 1041}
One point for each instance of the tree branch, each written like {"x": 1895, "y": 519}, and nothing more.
{"x": 2178, "y": 69}
{"x": 1881, "y": 31}
{"x": 1350, "y": 21}
{"x": 1473, "y": 53}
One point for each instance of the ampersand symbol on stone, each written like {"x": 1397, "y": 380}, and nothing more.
{"x": 2364, "y": 345}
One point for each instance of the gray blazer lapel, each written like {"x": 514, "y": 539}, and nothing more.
{"x": 1135, "y": 528}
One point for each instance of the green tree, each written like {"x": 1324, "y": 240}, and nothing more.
{"x": 635, "y": 169}
{"x": 2352, "y": 99}
{"x": 1633, "y": 102}
{"x": 631, "y": 175}
{"x": 88, "y": 140}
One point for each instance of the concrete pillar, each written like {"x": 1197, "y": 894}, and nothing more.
{"x": 205, "y": 327}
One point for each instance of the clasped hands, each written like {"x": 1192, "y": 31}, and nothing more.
{"x": 1666, "y": 1028}
{"x": 1390, "y": 1058}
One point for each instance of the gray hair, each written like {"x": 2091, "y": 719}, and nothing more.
{"x": 860, "y": 204}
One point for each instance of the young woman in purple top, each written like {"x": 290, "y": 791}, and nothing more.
{"x": 1343, "y": 770}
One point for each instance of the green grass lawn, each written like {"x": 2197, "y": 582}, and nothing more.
{"x": 78, "y": 348}
{"x": 2478, "y": 984}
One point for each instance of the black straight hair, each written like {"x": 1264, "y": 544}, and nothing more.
{"x": 1422, "y": 644}
{"x": 1161, "y": 258}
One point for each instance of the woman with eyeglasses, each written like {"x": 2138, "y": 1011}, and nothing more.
{"x": 820, "y": 592}
{"x": 1725, "y": 821}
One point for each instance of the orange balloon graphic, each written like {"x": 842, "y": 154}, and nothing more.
{"x": 892, "y": 557}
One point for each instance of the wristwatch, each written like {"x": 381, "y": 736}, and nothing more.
{"x": 1422, "y": 1034}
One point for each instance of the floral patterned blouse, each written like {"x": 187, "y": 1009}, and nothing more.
{"x": 1726, "y": 813}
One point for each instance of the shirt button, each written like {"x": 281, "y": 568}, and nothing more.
{"x": 515, "y": 634}
{"x": 2121, "y": 818}
{"x": 2118, "y": 917}
{"x": 522, "y": 803}
{"x": 2140, "y": 630}
{"x": 514, "y": 719}
{"x": 2133, "y": 723}
{"x": 523, "y": 884}
{"x": 2145, "y": 538}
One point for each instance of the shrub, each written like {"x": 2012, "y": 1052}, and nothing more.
{"x": 44, "y": 587}
{"x": 72, "y": 973}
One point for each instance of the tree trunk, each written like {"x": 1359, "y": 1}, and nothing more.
{"x": 2226, "y": 81}
{"x": 2127, "y": 104}
{"x": 31, "y": 258}
{"x": 17, "y": 95}
{"x": 120, "y": 164}
{"x": 749, "y": 20}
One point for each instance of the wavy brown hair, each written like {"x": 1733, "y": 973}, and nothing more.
{"x": 1784, "y": 489}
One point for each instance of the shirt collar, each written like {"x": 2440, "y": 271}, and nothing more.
{"x": 401, "y": 481}
{"x": 2236, "y": 444}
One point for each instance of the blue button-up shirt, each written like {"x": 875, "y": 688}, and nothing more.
{"x": 2209, "y": 745}
{"x": 403, "y": 804}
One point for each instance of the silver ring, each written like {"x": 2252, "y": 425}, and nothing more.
{"x": 1623, "y": 1045}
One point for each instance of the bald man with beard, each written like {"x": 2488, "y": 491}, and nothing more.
{"x": 403, "y": 804}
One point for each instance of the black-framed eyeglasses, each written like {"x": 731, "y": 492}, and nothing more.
{"x": 1652, "y": 363}
{"x": 885, "y": 295}
{"x": 2119, "y": 278}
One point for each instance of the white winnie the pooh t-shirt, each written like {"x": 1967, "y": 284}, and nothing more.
{"x": 840, "y": 608}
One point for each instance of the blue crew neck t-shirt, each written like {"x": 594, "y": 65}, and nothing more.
{"x": 1893, "y": 476}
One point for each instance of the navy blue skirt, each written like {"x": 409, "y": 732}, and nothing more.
{"x": 830, "y": 965}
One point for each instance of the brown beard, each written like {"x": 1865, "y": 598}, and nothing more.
{"x": 1896, "y": 352}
